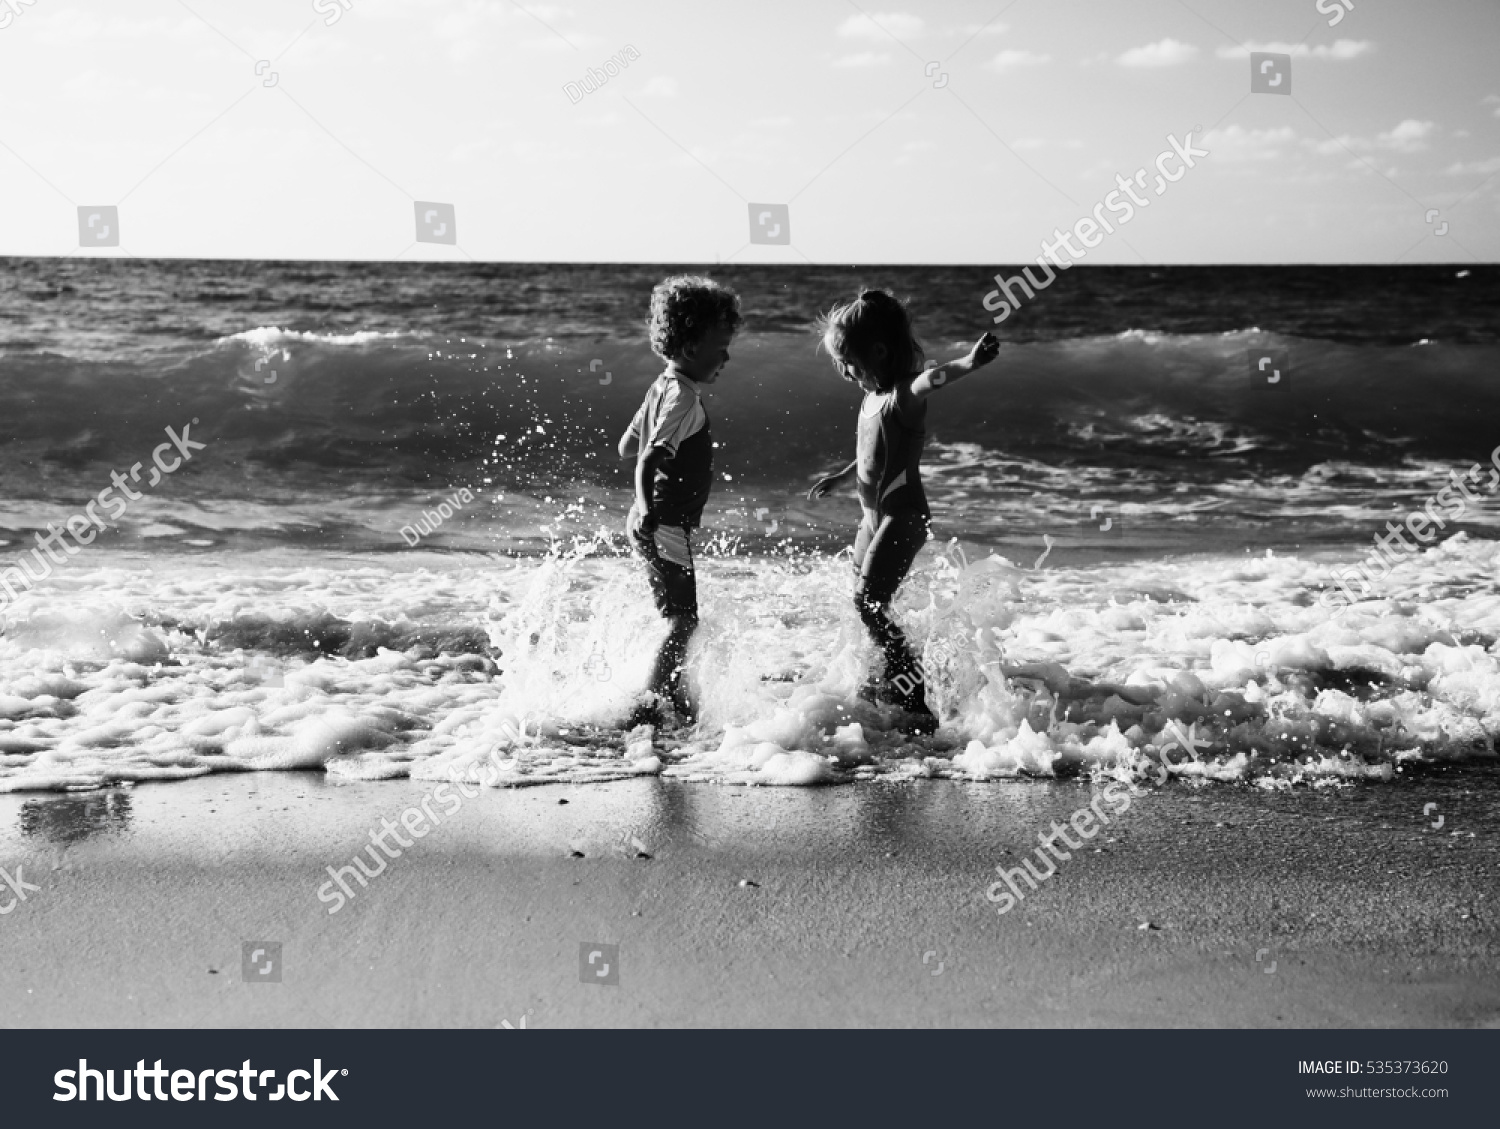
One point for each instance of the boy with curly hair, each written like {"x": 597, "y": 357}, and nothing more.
{"x": 693, "y": 320}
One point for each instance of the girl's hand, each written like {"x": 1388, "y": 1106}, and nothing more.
{"x": 985, "y": 350}
{"x": 824, "y": 485}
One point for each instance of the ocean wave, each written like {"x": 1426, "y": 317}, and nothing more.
{"x": 338, "y": 438}
{"x": 1186, "y": 393}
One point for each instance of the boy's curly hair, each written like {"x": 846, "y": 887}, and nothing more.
{"x": 685, "y": 307}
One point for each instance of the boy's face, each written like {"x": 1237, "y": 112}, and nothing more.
{"x": 701, "y": 361}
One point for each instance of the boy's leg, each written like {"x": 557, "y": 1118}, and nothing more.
{"x": 891, "y": 551}
{"x": 674, "y": 586}
{"x": 667, "y": 675}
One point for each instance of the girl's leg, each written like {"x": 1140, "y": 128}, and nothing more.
{"x": 873, "y": 689}
{"x": 891, "y": 549}
{"x": 862, "y": 540}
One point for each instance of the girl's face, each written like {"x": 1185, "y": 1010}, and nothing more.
{"x": 854, "y": 369}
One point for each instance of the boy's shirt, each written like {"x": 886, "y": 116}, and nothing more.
{"x": 672, "y": 417}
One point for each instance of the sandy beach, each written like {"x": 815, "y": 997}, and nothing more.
{"x": 736, "y": 906}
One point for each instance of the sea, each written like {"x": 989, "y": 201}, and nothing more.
{"x": 383, "y": 538}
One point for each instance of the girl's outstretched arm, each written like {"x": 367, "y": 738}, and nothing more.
{"x": 824, "y": 485}
{"x": 985, "y": 350}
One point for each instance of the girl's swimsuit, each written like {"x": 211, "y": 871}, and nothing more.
{"x": 892, "y": 432}
{"x": 896, "y": 517}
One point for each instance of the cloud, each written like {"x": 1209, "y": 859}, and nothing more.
{"x": 1236, "y": 143}
{"x": 660, "y": 86}
{"x": 1493, "y": 100}
{"x": 863, "y": 59}
{"x": 1008, "y": 60}
{"x": 881, "y": 26}
{"x": 1409, "y": 136}
{"x": 1167, "y": 53}
{"x": 1098, "y": 169}
{"x": 478, "y": 31}
{"x": 1027, "y": 143}
{"x": 551, "y": 45}
{"x": 1472, "y": 168}
{"x": 912, "y": 152}
{"x": 1339, "y": 50}
{"x": 466, "y": 154}
{"x": 66, "y": 25}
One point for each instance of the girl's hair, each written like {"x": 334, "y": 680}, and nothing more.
{"x": 684, "y": 308}
{"x": 876, "y": 317}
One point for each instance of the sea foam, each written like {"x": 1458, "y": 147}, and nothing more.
{"x": 128, "y": 676}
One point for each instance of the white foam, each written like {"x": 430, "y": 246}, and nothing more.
{"x": 116, "y": 677}
{"x": 269, "y": 336}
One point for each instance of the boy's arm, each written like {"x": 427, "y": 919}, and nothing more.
{"x": 985, "y": 350}
{"x": 646, "y": 467}
{"x": 630, "y": 442}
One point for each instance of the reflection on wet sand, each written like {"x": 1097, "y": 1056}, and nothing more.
{"x": 64, "y": 821}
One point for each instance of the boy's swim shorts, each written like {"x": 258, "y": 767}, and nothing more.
{"x": 669, "y": 568}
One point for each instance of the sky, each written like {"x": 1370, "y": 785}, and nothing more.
{"x": 930, "y": 133}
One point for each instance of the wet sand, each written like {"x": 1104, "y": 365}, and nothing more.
{"x": 756, "y": 907}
